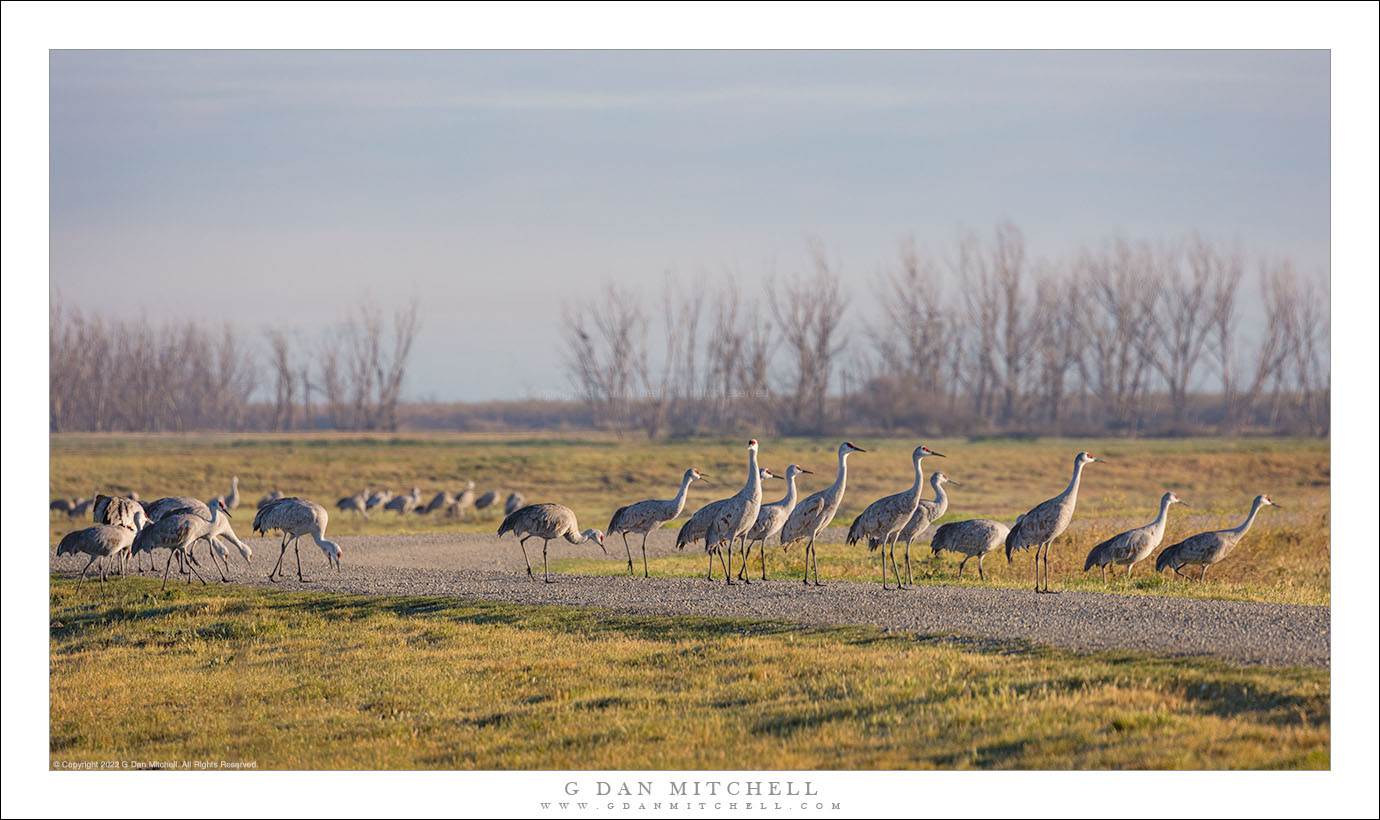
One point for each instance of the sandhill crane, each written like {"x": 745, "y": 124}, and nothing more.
{"x": 728, "y": 518}
{"x": 927, "y": 512}
{"x": 157, "y": 510}
{"x": 514, "y": 501}
{"x": 232, "y": 499}
{"x": 1208, "y": 548}
{"x": 404, "y": 504}
{"x": 973, "y": 538}
{"x": 177, "y": 532}
{"x": 546, "y": 521}
{"x": 770, "y": 519}
{"x": 811, "y": 516}
{"x": 379, "y": 498}
{"x": 101, "y": 541}
{"x": 296, "y": 517}
{"x": 440, "y": 501}
{"x": 463, "y": 501}
{"x": 356, "y": 503}
{"x": 62, "y": 505}
{"x": 118, "y": 511}
{"x": 80, "y": 506}
{"x": 1132, "y": 546}
{"x": 697, "y": 525}
{"x": 486, "y": 500}
{"x": 270, "y": 496}
{"x": 1046, "y": 522}
{"x": 882, "y": 520}
{"x": 645, "y": 516}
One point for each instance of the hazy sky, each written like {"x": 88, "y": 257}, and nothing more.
{"x": 281, "y": 186}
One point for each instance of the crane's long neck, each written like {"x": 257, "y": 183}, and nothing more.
{"x": 789, "y": 500}
{"x": 842, "y": 480}
{"x": 754, "y": 482}
{"x": 575, "y": 537}
{"x": 1250, "y": 519}
{"x": 919, "y": 477}
{"x": 1163, "y": 517}
{"x": 679, "y": 501}
{"x": 1071, "y": 492}
{"x": 941, "y": 497}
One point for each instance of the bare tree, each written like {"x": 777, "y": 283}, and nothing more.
{"x": 1184, "y": 326}
{"x": 809, "y": 313}
{"x": 607, "y": 344}
{"x": 1119, "y": 325}
{"x": 280, "y": 359}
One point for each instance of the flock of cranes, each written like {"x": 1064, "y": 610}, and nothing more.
{"x": 126, "y": 528}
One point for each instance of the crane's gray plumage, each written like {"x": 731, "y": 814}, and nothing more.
{"x": 514, "y": 502}
{"x": 108, "y": 541}
{"x": 546, "y": 521}
{"x": 1046, "y": 522}
{"x": 376, "y": 499}
{"x": 1133, "y": 546}
{"x": 694, "y": 529}
{"x": 117, "y": 510}
{"x": 440, "y": 501}
{"x": 404, "y": 504}
{"x": 927, "y": 512}
{"x": 295, "y": 517}
{"x": 771, "y": 518}
{"x": 811, "y": 516}
{"x": 163, "y": 507}
{"x": 645, "y": 516}
{"x": 1208, "y": 548}
{"x": 177, "y": 532}
{"x": 463, "y": 501}
{"x": 357, "y": 503}
{"x": 973, "y": 538}
{"x": 881, "y": 522}
{"x": 486, "y": 500}
{"x": 62, "y": 505}
{"x": 726, "y": 519}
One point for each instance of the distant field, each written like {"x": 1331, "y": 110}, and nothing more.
{"x": 1285, "y": 558}
{"x": 305, "y": 680}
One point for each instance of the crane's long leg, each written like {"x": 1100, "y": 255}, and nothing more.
{"x": 297, "y": 551}
{"x": 1045, "y": 561}
{"x": 629, "y": 550}
{"x": 545, "y": 576}
{"x": 281, "y": 553}
{"x": 167, "y": 567}
{"x": 814, "y": 559}
{"x": 742, "y": 572}
{"x": 909, "y": 578}
{"x": 1104, "y": 573}
{"x": 710, "y": 553}
{"x": 1180, "y": 574}
{"x": 807, "y": 561}
{"x": 981, "y": 558}
{"x": 644, "y": 555}
{"x": 1037, "y": 567}
{"x": 964, "y": 561}
{"x": 728, "y": 576}
{"x": 1204, "y": 573}
{"x": 895, "y": 572}
{"x": 762, "y": 550}
{"x": 191, "y": 566}
{"x": 522, "y": 542}
{"x": 1129, "y": 567}
{"x": 85, "y": 568}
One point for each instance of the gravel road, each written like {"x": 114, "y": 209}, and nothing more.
{"x": 479, "y": 566}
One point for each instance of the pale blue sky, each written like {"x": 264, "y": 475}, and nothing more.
{"x": 496, "y": 184}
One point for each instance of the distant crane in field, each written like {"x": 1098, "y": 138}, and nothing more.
{"x": 177, "y": 532}
{"x": 295, "y": 517}
{"x": 232, "y": 500}
{"x": 1046, "y": 522}
{"x": 1133, "y": 546}
{"x": 926, "y": 513}
{"x": 376, "y": 499}
{"x": 440, "y": 501}
{"x": 546, "y": 521}
{"x": 486, "y": 500}
{"x": 108, "y": 541}
{"x": 973, "y": 539}
{"x": 513, "y": 503}
{"x": 1208, "y": 548}
{"x": 404, "y": 504}
{"x": 356, "y": 503}
{"x": 811, "y": 516}
{"x": 463, "y": 501}
{"x": 770, "y": 519}
{"x": 62, "y": 505}
{"x": 881, "y": 522}
{"x": 645, "y": 516}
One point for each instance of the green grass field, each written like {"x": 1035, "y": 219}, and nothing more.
{"x": 1285, "y": 558}
{"x": 310, "y": 680}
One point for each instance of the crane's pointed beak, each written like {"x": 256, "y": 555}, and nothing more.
{"x": 807, "y": 472}
{"x": 956, "y": 483}
{"x": 937, "y": 453}
{"x": 1273, "y": 504}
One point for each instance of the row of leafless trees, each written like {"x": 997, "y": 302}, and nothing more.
{"x": 133, "y": 375}
{"x": 1126, "y": 338}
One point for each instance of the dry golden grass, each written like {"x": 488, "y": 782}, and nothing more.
{"x": 310, "y": 680}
